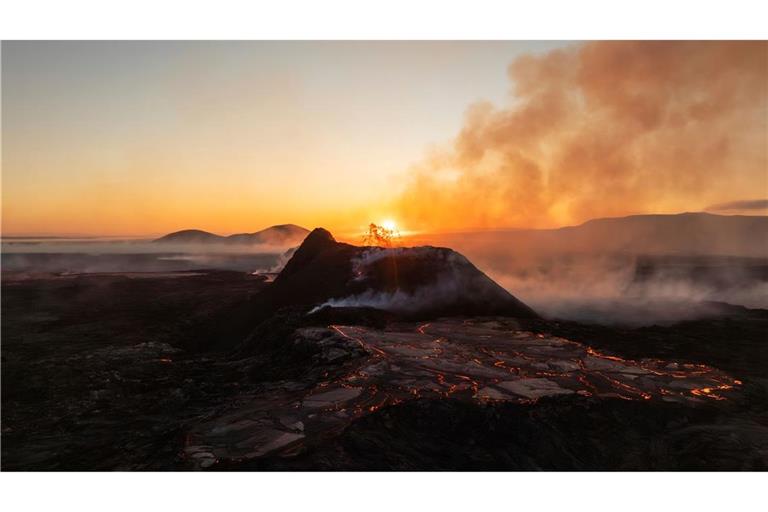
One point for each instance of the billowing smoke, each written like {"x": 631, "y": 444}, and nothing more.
{"x": 604, "y": 129}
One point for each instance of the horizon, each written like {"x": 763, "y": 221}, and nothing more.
{"x": 346, "y": 234}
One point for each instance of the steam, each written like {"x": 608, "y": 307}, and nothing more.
{"x": 64, "y": 246}
{"x": 602, "y": 282}
{"x": 629, "y": 289}
{"x": 282, "y": 259}
{"x": 450, "y": 285}
{"x": 604, "y": 129}
{"x": 100, "y": 255}
{"x": 547, "y": 286}
{"x": 374, "y": 254}
{"x": 441, "y": 293}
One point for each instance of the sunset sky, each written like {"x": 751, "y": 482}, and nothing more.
{"x": 142, "y": 138}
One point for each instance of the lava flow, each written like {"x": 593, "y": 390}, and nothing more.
{"x": 464, "y": 360}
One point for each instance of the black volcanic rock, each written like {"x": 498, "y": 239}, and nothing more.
{"x": 283, "y": 234}
{"x": 319, "y": 269}
{"x": 414, "y": 282}
{"x": 318, "y": 241}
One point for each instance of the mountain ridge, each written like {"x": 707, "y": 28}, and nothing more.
{"x": 689, "y": 233}
{"x": 277, "y": 234}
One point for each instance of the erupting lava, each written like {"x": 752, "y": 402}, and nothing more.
{"x": 382, "y": 235}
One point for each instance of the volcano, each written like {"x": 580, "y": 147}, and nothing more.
{"x": 410, "y": 281}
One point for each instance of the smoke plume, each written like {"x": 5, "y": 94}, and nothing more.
{"x": 604, "y": 129}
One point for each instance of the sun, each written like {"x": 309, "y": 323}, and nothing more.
{"x": 389, "y": 224}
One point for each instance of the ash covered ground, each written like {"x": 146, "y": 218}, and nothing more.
{"x": 364, "y": 359}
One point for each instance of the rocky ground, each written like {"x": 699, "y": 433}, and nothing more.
{"x": 103, "y": 371}
{"x": 181, "y": 371}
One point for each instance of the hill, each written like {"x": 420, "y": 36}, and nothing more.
{"x": 283, "y": 234}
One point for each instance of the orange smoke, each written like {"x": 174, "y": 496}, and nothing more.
{"x": 604, "y": 129}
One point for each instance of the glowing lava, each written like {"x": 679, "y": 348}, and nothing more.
{"x": 382, "y": 235}
{"x": 487, "y": 360}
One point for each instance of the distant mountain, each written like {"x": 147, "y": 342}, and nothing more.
{"x": 190, "y": 236}
{"x": 283, "y": 234}
{"x": 676, "y": 234}
{"x": 684, "y": 233}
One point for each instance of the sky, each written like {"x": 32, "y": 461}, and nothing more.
{"x": 137, "y": 138}
{"x": 144, "y": 138}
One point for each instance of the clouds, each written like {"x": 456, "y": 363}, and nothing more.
{"x": 603, "y": 129}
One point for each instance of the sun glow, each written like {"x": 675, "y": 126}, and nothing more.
{"x": 389, "y": 224}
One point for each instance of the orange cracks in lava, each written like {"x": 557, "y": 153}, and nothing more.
{"x": 691, "y": 370}
{"x": 365, "y": 346}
